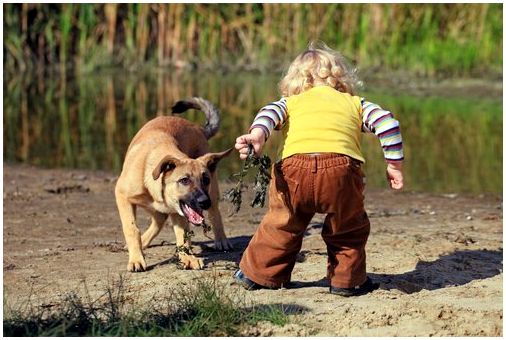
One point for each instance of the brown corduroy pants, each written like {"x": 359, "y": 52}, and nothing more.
{"x": 301, "y": 186}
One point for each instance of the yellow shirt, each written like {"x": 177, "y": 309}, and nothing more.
{"x": 323, "y": 119}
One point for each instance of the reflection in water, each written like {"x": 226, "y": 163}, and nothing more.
{"x": 87, "y": 121}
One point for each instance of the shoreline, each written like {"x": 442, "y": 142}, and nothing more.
{"x": 488, "y": 84}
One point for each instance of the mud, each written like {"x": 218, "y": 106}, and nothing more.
{"x": 438, "y": 258}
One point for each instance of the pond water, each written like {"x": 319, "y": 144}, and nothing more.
{"x": 453, "y": 144}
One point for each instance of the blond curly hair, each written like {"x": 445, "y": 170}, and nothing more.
{"x": 319, "y": 65}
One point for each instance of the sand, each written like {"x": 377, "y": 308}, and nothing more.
{"x": 437, "y": 257}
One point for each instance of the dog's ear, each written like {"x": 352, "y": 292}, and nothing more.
{"x": 168, "y": 163}
{"x": 211, "y": 159}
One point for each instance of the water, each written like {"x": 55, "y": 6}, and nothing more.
{"x": 452, "y": 144}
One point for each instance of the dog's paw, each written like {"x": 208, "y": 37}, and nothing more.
{"x": 136, "y": 264}
{"x": 222, "y": 244}
{"x": 190, "y": 262}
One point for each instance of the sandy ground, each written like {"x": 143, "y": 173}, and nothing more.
{"x": 438, "y": 258}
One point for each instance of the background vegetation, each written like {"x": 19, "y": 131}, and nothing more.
{"x": 86, "y": 117}
{"x": 427, "y": 39}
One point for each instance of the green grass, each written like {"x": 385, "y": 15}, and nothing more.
{"x": 427, "y": 39}
{"x": 204, "y": 307}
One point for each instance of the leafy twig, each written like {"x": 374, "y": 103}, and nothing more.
{"x": 206, "y": 228}
{"x": 262, "y": 179}
{"x": 184, "y": 249}
{"x": 188, "y": 234}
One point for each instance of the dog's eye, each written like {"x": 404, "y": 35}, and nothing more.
{"x": 185, "y": 181}
{"x": 206, "y": 180}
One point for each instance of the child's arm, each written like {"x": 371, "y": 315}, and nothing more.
{"x": 270, "y": 117}
{"x": 383, "y": 124}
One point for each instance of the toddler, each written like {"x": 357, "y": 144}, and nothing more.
{"x": 321, "y": 119}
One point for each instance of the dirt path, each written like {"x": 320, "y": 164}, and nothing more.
{"x": 438, "y": 258}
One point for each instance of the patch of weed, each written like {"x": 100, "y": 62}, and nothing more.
{"x": 203, "y": 308}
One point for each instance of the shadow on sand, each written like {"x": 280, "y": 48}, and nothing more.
{"x": 208, "y": 253}
{"x": 239, "y": 243}
{"x": 288, "y": 309}
{"x": 455, "y": 269}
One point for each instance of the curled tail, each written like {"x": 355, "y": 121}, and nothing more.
{"x": 211, "y": 112}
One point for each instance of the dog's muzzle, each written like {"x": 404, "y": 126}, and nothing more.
{"x": 193, "y": 208}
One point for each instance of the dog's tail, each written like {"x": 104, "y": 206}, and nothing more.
{"x": 211, "y": 112}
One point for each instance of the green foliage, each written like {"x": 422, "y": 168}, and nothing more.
{"x": 261, "y": 183}
{"x": 428, "y": 39}
{"x": 203, "y": 308}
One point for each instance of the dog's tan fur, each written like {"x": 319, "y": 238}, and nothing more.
{"x": 165, "y": 150}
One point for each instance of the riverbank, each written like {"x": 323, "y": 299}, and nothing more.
{"x": 437, "y": 257}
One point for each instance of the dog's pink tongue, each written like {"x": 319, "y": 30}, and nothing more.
{"x": 193, "y": 216}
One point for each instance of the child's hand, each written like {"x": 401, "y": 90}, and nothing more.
{"x": 256, "y": 138}
{"x": 394, "y": 175}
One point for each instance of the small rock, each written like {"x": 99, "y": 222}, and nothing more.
{"x": 79, "y": 177}
{"x": 9, "y": 266}
{"x": 463, "y": 239}
{"x": 47, "y": 305}
{"x": 64, "y": 189}
{"x": 385, "y": 213}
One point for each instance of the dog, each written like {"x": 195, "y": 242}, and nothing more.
{"x": 169, "y": 171}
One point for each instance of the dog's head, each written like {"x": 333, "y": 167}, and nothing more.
{"x": 185, "y": 183}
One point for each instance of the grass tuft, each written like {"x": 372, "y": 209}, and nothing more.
{"x": 203, "y": 308}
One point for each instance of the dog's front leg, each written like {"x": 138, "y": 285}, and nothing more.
{"x": 221, "y": 241}
{"x": 157, "y": 221}
{"x": 183, "y": 244}
{"x": 136, "y": 262}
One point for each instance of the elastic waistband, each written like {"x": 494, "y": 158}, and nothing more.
{"x": 319, "y": 161}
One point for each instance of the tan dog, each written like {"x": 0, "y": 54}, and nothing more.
{"x": 169, "y": 171}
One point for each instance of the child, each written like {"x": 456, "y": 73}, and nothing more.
{"x": 320, "y": 172}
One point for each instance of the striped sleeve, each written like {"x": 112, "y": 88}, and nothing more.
{"x": 383, "y": 124}
{"x": 271, "y": 116}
